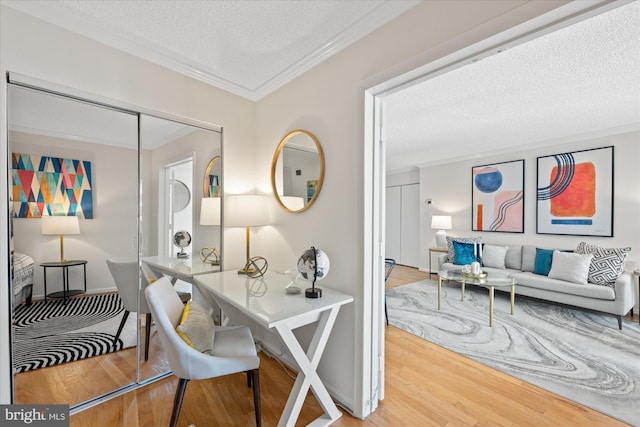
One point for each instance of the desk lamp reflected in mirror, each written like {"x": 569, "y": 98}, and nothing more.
{"x": 60, "y": 225}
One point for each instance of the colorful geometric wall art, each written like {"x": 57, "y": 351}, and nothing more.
{"x": 575, "y": 193}
{"x": 497, "y": 197}
{"x": 51, "y": 186}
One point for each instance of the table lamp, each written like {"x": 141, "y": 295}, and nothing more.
{"x": 210, "y": 215}
{"x": 60, "y": 225}
{"x": 441, "y": 223}
{"x": 246, "y": 210}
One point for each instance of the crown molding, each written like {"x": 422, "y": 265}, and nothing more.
{"x": 96, "y": 30}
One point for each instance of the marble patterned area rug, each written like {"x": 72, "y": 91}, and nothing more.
{"x": 579, "y": 355}
{"x": 50, "y": 333}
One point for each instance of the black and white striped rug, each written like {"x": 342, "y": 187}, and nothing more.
{"x": 51, "y": 333}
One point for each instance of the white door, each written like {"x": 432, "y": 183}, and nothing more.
{"x": 410, "y": 226}
{"x": 393, "y": 205}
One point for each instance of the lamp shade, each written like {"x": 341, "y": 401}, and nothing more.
{"x": 210, "y": 211}
{"x": 441, "y": 222}
{"x": 60, "y": 225}
{"x": 246, "y": 210}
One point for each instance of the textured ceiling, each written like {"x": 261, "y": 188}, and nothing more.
{"x": 578, "y": 82}
{"x": 247, "y": 47}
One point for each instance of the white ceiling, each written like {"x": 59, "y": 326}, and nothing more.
{"x": 578, "y": 82}
{"x": 249, "y": 47}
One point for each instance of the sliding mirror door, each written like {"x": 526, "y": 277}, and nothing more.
{"x": 177, "y": 229}
{"x": 74, "y": 168}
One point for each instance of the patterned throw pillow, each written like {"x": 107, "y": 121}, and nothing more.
{"x": 607, "y": 263}
{"x": 461, "y": 240}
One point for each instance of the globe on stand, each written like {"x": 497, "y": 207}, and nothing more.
{"x": 313, "y": 265}
{"x": 182, "y": 239}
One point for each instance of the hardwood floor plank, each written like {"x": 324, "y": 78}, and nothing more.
{"x": 426, "y": 385}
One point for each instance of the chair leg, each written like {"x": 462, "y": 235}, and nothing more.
{"x": 177, "y": 401}
{"x": 147, "y": 334}
{"x": 122, "y": 322}
{"x": 386, "y": 316}
{"x": 255, "y": 380}
{"x": 249, "y": 379}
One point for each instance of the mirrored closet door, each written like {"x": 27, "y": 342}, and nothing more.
{"x": 96, "y": 190}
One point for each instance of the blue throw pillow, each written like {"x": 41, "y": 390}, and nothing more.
{"x": 542, "y": 263}
{"x": 463, "y": 253}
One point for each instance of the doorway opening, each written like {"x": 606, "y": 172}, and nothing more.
{"x": 375, "y": 240}
{"x": 176, "y": 189}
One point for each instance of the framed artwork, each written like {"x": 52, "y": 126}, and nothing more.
{"x": 497, "y": 197}
{"x": 575, "y": 193}
{"x": 57, "y": 186}
{"x": 311, "y": 189}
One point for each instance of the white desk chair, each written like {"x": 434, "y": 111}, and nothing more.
{"x": 233, "y": 348}
{"x": 126, "y": 275}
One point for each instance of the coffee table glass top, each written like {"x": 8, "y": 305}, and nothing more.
{"x": 487, "y": 280}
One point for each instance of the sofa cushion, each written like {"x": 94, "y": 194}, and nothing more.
{"x": 494, "y": 256}
{"x": 464, "y": 253}
{"x": 571, "y": 267}
{"x": 607, "y": 263}
{"x": 543, "y": 260}
{"x": 459, "y": 239}
{"x": 528, "y": 258}
{"x": 513, "y": 259}
{"x": 589, "y": 290}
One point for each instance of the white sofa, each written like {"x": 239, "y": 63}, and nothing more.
{"x": 617, "y": 299}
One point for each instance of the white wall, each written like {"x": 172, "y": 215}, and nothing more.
{"x": 329, "y": 102}
{"x": 449, "y": 185}
{"x": 403, "y": 178}
{"x": 43, "y": 51}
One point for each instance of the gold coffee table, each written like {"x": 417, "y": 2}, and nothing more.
{"x": 486, "y": 282}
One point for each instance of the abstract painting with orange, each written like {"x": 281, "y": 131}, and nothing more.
{"x": 575, "y": 193}
{"x": 579, "y": 198}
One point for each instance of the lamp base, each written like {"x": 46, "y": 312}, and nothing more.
{"x": 441, "y": 239}
{"x": 313, "y": 293}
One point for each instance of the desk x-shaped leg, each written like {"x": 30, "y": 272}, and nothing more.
{"x": 308, "y": 363}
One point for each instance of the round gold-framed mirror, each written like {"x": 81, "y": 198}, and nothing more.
{"x": 212, "y": 178}
{"x": 297, "y": 171}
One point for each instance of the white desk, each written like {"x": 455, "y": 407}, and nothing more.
{"x": 179, "y": 268}
{"x": 265, "y": 301}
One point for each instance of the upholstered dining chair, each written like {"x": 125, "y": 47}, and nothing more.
{"x": 126, "y": 275}
{"x": 232, "y": 347}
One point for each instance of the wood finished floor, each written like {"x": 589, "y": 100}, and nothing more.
{"x": 436, "y": 387}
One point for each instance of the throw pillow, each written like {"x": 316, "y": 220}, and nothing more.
{"x": 542, "y": 263}
{"x": 461, "y": 240}
{"x": 464, "y": 253}
{"x": 494, "y": 256}
{"x": 571, "y": 267}
{"x": 513, "y": 259}
{"x": 196, "y": 327}
{"x": 607, "y": 263}
{"x": 528, "y": 257}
